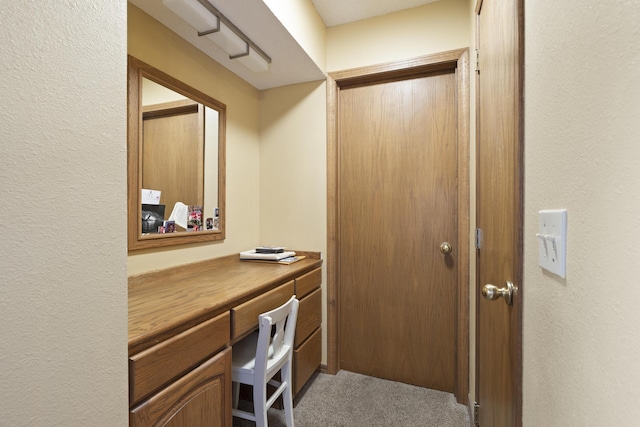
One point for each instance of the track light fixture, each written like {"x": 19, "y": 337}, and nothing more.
{"x": 210, "y": 23}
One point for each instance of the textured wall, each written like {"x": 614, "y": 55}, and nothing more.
{"x": 63, "y": 290}
{"x": 582, "y": 138}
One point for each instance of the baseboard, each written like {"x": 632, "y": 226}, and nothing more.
{"x": 470, "y": 403}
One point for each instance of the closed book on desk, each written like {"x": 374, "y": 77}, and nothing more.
{"x": 253, "y": 255}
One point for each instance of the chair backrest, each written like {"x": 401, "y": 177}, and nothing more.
{"x": 274, "y": 350}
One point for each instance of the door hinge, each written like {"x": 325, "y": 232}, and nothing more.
{"x": 478, "y": 238}
{"x": 478, "y": 60}
{"x": 476, "y": 414}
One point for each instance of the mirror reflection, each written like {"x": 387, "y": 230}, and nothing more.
{"x": 176, "y": 161}
{"x": 179, "y": 159}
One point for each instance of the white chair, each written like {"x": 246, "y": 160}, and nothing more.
{"x": 258, "y": 357}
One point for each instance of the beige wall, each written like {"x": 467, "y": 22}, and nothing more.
{"x": 293, "y": 169}
{"x": 293, "y": 166}
{"x": 304, "y": 23}
{"x": 156, "y": 45}
{"x": 582, "y": 152}
{"x": 435, "y": 27}
{"x": 63, "y": 286}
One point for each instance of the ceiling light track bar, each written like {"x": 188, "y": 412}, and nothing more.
{"x": 221, "y": 18}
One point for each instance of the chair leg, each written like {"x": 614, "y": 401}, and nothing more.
{"x": 260, "y": 404}
{"x": 287, "y": 394}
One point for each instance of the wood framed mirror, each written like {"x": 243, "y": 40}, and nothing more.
{"x": 176, "y": 149}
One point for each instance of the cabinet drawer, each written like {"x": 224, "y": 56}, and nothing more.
{"x": 306, "y": 360}
{"x": 156, "y": 366}
{"x": 309, "y": 316}
{"x": 244, "y": 317}
{"x": 308, "y": 282}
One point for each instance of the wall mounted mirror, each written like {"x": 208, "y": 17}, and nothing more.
{"x": 175, "y": 161}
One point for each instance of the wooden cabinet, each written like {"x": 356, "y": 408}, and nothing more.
{"x": 307, "y": 354}
{"x": 200, "y": 398}
{"x": 154, "y": 367}
{"x": 185, "y": 379}
{"x": 183, "y": 322}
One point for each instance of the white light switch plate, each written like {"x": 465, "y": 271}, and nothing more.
{"x": 552, "y": 241}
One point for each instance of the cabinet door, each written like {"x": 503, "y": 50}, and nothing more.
{"x": 200, "y": 398}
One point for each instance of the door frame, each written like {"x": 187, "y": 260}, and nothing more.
{"x": 454, "y": 60}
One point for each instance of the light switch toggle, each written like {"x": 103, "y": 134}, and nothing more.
{"x": 548, "y": 238}
{"x": 552, "y": 233}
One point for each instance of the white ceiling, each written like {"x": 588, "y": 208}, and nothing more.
{"x": 290, "y": 63}
{"x": 336, "y": 12}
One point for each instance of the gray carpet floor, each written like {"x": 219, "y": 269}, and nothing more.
{"x": 353, "y": 400}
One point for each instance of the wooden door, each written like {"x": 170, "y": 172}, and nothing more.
{"x": 398, "y": 174}
{"x": 499, "y": 211}
{"x": 173, "y": 152}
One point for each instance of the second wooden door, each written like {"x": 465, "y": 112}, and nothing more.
{"x": 499, "y": 212}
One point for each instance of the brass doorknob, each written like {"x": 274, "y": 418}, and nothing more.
{"x": 446, "y": 248}
{"x": 492, "y": 292}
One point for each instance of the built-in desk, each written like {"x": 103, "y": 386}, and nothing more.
{"x": 183, "y": 322}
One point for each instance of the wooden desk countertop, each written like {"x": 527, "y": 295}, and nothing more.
{"x": 166, "y": 302}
